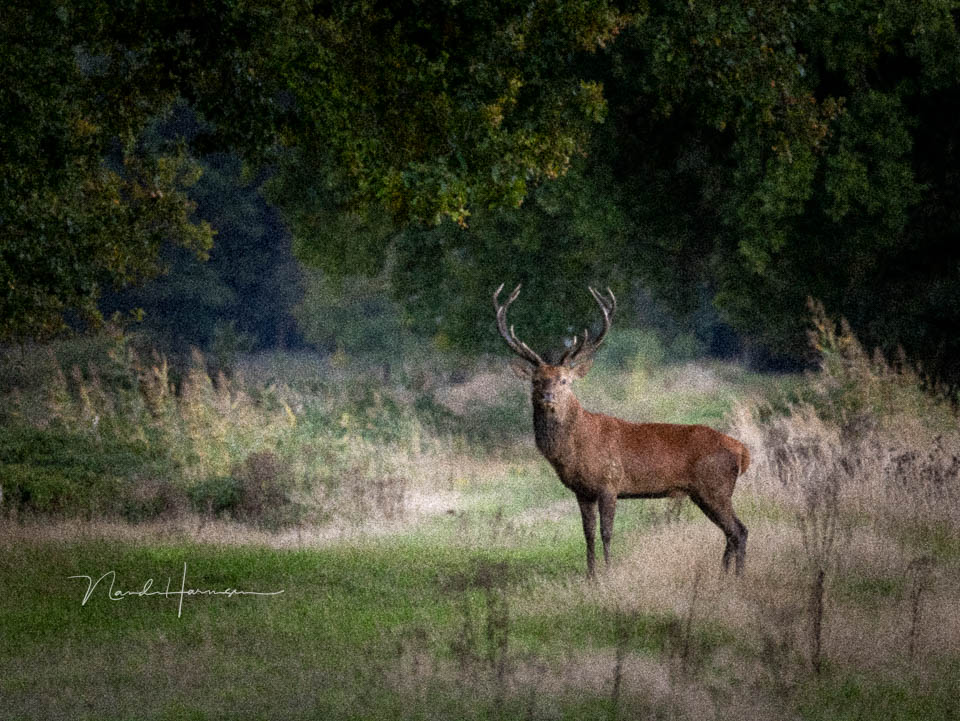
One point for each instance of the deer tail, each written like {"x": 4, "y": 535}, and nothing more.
{"x": 739, "y": 452}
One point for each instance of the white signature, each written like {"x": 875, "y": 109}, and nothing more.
{"x": 117, "y": 595}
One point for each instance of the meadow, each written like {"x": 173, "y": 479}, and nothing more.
{"x": 432, "y": 566}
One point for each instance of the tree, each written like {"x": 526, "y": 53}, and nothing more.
{"x": 424, "y": 109}
{"x": 248, "y": 285}
{"x": 82, "y": 201}
{"x": 754, "y": 154}
{"x": 750, "y": 154}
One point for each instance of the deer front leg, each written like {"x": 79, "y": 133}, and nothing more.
{"x": 608, "y": 508}
{"x": 588, "y": 511}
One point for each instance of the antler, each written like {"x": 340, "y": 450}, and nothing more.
{"x": 585, "y": 347}
{"x": 516, "y": 345}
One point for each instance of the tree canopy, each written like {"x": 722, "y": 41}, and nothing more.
{"x": 733, "y": 156}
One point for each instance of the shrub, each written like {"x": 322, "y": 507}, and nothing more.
{"x": 852, "y": 387}
{"x": 862, "y": 437}
{"x": 265, "y": 483}
{"x": 61, "y": 492}
{"x": 40, "y": 490}
{"x": 151, "y": 497}
{"x": 634, "y": 350}
{"x": 215, "y": 496}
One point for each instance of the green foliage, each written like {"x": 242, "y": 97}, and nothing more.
{"x": 216, "y": 495}
{"x": 639, "y": 350}
{"x": 569, "y": 235}
{"x": 736, "y": 156}
{"x": 60, "y": 473}
{"x": 352, "y": 314}
{"x": 240, "y": 296}
{"x": 753, "y": 155}
{"x": 853, "y": 386}
{"x": 114, "y": 439}
{"x": 458, "y": 108}
{"x": 82, "y": 201}
{"x": 41, "y": 490}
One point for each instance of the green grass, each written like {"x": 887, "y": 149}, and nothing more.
{"x": 341, "y": 608}
{"x": 343, "y": 639}
{"x": 855, "y": 697}
{"x": 870, "y": 589}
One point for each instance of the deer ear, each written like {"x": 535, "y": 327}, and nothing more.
{"x": 521, "y": 368}
{"x": 581, "y": 369}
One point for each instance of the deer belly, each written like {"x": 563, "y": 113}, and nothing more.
{"x": 644, "y": 481}
{"x": 592, "y": 479}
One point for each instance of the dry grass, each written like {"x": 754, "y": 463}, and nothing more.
{"x": 417, "y": 507}
{"x": 482, "y": 389}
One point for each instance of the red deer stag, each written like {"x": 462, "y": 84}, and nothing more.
{"x": 601, "y": 458}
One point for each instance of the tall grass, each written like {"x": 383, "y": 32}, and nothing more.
{"x": 861, "y": 438}
{"x": 862, "y": 448}
{"x": 122, "y": 433}
{"x": 99, "y": 427}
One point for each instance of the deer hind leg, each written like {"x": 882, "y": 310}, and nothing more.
{"x": 736, "y": 545}
{"x": 588, "y": 511}
{"x": 716, "y": 478}
{"x": 723, "y": 516}
{"x": 608, "y": 508}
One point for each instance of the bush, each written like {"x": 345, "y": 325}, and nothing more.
{"x": 634, "y": 349}
{"x": 265, "y": 483}
{"x": 863, "y": 432}
{"x": 215, "y": 496}
{"x": 150, "y": 497}
{"x": 55, "y": 491}
{"x": 39, "y": 490}
{"x": 852, "y": 385}
{"x": 257, "y": 491}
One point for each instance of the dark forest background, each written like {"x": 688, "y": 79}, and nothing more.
{"x": 248, "y": 175}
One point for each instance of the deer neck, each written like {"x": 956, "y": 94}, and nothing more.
{"x": 553, "y": 427}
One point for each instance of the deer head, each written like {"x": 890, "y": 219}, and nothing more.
{"x": 552, "y": 383}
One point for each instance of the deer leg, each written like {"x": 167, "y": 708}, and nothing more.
{"x": 741, "y": 546}
{"x": 721, "y": 513}
{"x": 608, "y": 507}
{"x": 736, "y": 546}
{"x": 716, "y": 476}
{"x": 588, "y": 511}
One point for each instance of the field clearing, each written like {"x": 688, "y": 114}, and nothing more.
{"x": 457, "y": 590}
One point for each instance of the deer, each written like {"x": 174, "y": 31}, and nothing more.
{"x": 603, "y": 459}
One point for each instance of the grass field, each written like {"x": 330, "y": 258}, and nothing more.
{"x": 432, "y": 566}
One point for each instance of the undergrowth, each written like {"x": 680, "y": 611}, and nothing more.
{"x": 121, "y": 433}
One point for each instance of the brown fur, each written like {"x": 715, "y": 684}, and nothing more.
{"x": 602, "y": 459}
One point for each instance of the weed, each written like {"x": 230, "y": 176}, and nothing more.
{"x": 919, "y": 571}
{"x": 265, "y": 483}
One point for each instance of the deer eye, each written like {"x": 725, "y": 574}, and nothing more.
{"x": 563, "y": 381}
